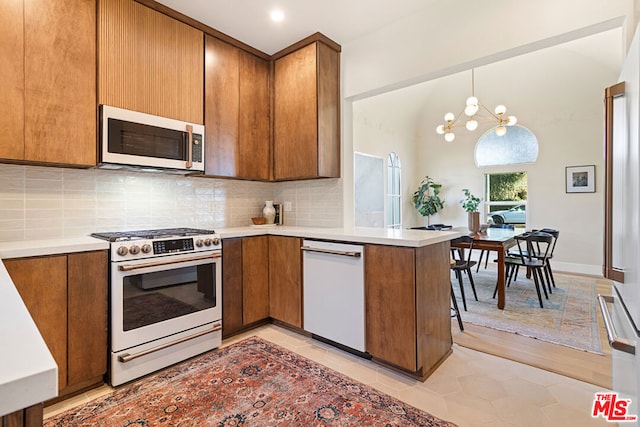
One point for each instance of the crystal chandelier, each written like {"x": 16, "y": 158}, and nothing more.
{"x": 474, "y": 110}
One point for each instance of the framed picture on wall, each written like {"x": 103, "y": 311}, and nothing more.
{"x": 581, "y": 179}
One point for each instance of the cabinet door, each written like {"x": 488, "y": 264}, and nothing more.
{"x": 231, "y": 286}
{"x": 254, "y": 147}
{"x": 42, "y": 284}
{"x": 87, "y": 310}
{"x": 236, "y": 112}
{"x": 390, "y": 305}
{"x": 149, "y": 62}
{"x": 60, "y": 81}
{"x": 307, "y": 113}
{"x": 255, "y": 279}
{"x": 221, "y": 107}
{"x": 12, "y": 80}
{"x": 285, "y": 279}
{"x": 296, "y": 115}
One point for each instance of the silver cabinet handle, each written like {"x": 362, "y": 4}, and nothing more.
{"x": 615, "y": 342}
{"x": 130, "y": 267}
{"x": 331, "y": 252}
{"x": 190, "y": 147}
{"x": 126, "y": 357}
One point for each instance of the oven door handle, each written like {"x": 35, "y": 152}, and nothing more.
{"x": 131, "y": 267}
{"x": 126, "y": 357}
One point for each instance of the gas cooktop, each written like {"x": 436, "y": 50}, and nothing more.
{"x": 121, "y": 236}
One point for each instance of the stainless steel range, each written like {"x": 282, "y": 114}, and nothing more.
{"x": 165, "y": 298}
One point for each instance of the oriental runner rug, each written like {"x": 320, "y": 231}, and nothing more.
{"x": 569, "y": 316}
{"x": 250, "y": 383}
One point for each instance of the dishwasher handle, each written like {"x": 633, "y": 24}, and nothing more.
{"x": 615, "y": 342}
{"x": 352, "y": 254}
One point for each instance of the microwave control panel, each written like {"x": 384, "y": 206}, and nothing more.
{"x": 196, "y": 151}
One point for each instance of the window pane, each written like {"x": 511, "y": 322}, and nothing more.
{"x": 506, "y": 198}
{"x": 518, "y": 145}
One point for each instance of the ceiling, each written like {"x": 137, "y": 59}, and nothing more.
{"x": 249, "y": 20}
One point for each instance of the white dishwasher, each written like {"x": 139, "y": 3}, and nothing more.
{"x": 333, "y": 284}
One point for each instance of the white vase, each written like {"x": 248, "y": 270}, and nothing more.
{"x": 269, "y": 212}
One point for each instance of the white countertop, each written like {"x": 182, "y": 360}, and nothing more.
{"x": 379, "y": 236}
{"x": 28, "y": 248}
{"x": 28, "y": 373}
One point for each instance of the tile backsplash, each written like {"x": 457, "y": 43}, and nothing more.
{"x": 47, "y": 202}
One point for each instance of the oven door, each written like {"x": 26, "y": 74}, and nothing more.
{"x": 159, "y": 297}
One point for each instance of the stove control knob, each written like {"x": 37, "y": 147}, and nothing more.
{"x": 216, "y": 241}
{"x": 134, "y": 250}
{"x": 146, "y": 248}
{"x": 122, "y": 250}
{"x": 207, "y": 242}
{"x": 199, "y": 243}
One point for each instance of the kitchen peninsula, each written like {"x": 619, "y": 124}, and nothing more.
{"x": 407, "y": 293}
{"x": 406, "y": 288}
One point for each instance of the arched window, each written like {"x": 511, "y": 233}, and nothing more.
{"x": 518, "y": 145}
{"x": 394, "y": 197}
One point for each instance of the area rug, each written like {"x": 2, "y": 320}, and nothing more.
{"x": 569, "y": 316}
{"x": 147, "y": 309}
{"x": 251, "y": 383}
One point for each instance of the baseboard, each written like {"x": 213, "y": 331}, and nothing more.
{"x": 583, "y": 269}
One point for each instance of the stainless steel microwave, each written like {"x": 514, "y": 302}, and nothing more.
{"x": 138, "y": 140}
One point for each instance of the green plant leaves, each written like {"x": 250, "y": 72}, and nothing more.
{"x": 426, "y": 199}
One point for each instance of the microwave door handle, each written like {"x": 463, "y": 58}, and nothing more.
{"x": 190, "y": 147}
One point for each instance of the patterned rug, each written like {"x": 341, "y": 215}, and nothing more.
{"x": 251, "y": 383}
{"x": 569, "y": 316}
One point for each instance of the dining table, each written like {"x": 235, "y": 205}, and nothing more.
{"x": 492, "y": 239}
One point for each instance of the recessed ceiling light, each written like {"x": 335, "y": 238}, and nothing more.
{"x": 277, "y": 15}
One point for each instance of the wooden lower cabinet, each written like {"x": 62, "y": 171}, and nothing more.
{"x": 245, "y": 286}
{"x": 87, "y": 293}
{"x": 407, "y": 306}
{"x": 67, "y": 297}
{"x": 28, "y": 417}
{"x": 285, "y": 279}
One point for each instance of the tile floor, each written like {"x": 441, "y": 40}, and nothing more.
{"x": 470, "y": 388}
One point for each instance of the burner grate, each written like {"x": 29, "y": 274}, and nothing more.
{"x": 117, "y": 236}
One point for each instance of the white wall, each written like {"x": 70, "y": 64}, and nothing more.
{"x": 557, "y": 93}
{"x": 378, "y": 129}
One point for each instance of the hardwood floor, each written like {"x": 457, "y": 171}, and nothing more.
{"x": 581, "y": 365}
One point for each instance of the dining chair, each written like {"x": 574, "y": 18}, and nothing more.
{"x": 485, "y": 253}
{"x": 550, "y": 280}
{"x": 534, "y": 256}
{"x": 462, "y": 264}
{"x": 455, "y": 308}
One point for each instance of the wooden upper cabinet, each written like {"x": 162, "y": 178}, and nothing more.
{"x": 307, "y": 113}
{"x": 149, "y": 62}
{"x": 12, "y": 80}
{"x": 236, "y": 112}
{"x": 48, "y": 80}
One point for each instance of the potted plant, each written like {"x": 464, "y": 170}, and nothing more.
{"x": 470, "y": 204}
{"x": 427, "y": 199}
